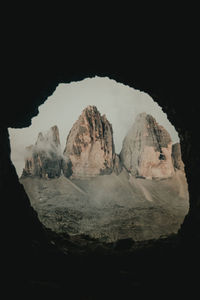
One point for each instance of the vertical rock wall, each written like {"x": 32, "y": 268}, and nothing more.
{"x": 90, "y": 146}
{"x": 147, "y": 149}
{"x": 44, "y": 159}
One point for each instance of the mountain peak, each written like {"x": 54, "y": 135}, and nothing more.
{"x": 44, "y": 159}
{"x": 90, "y": 146}
{"x": 90, "y": 108}
{"x": 147, "y": 149}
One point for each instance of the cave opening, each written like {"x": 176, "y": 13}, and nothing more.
{"x": 104, "y": 162}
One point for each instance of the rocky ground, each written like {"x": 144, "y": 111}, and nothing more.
{"x": 110, "y": 207}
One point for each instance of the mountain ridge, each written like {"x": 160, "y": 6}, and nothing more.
{"x": 147, "y": 150}
{"x": 120, "y": 201}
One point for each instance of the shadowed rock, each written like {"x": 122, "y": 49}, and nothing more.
{"x": 176, "y": 157}
{"x": 44, "y": 159}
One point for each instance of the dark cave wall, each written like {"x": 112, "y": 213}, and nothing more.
{"x": 21, "y": 224}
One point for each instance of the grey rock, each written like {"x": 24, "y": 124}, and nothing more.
{"x": 44, "y": 159}
{"x": 147, "y": 148}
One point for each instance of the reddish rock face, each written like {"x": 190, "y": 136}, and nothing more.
{"x": 147, "y": 149}
{"x": 44, "y": 159}
{"x": 89, "y": 146}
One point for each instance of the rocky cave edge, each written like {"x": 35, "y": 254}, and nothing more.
{"x": 24, "y": 228}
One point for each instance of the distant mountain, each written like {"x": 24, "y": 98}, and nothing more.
{"x": 44, "y": 159}
{"x": 90, "y": 146}
{"x": 176, "y": 157}
{"x": 147, "y": 149}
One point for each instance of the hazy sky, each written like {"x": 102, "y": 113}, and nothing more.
{"x": 120, "y": 103}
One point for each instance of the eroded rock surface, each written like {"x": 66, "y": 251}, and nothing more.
{"x": 147, "y": 149}
{"x": 44, "y": 159}
{"x": 176, "y": 157}
{"x": 110, "y": 207}
{"x": 90, "y": 146}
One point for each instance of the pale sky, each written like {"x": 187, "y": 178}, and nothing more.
{"x": 119, "y": 102}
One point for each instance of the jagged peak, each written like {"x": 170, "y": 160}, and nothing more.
{"x": 147, "y": 123}
{"x": 40, "y": 137}
{"x": 90, "y": 145}
{"x": 141, "y": 115}
{"x": 145, "y": 117}
{"x": 54, "y": 128}
{"x": 90, "y": 108}
{"x": 146, "y": 149}
{"x": 49, "y": 136}
{"x": 44, "y": 159}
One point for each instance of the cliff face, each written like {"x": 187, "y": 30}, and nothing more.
{"x": 44, "y": 159}
{"x": 29, "y": 161}
{"x": 176, "y": 157}
{"x": 89, "y": 146}
{"x": 147, "y": 149}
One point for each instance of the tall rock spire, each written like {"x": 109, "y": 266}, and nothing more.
{"x": 176, "y": 157}
{"x": 90, "y": 146}
{"x": 147, "y": 149}
{"x": 44, "y": 159}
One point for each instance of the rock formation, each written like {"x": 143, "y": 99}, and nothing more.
{"x": 147, "y": 149}
{"x": 29, "y": 161}
{"x": 44, "y": 159}
{"x": 89, "y": 147}
{"x": 176, "y": 157}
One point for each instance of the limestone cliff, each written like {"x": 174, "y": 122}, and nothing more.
{"x": 147, "y": 149}
{"x": 44, "y": 159}
{"x": 176, "y": 157}
{"x": 29, "y": 161}
{"x": 90, "y": 147}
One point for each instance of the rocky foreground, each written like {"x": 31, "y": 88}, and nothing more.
{"x": 122, "y": 207}
{"x": 89, "y": 189}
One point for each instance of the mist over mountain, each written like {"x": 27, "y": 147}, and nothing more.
{"x": 141, "y": 193}
{"x": 44, "y": 159}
